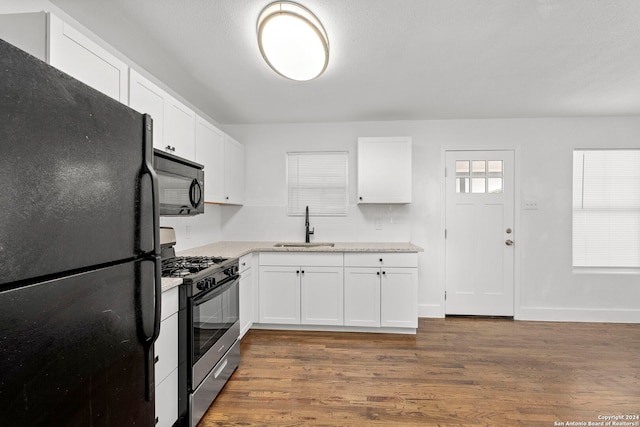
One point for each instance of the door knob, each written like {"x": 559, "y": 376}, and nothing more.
{"x": 509, "y": 242}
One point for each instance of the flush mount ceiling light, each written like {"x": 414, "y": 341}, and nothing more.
{"x": 292, "y": 41}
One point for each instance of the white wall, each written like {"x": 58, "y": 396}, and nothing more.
{"x": 194, "y": 231}
{"x": 546, "y": 286}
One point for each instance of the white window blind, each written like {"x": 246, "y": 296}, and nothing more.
{"x": 606, "y": 208}
{"x": 317, "y": 180}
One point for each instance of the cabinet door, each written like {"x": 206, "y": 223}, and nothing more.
{"x": 246, "y": 300}
{"x": 399, "y": 297}
{"x": 147, "y": 98}
{"x": 180, "y": 129}
{"x": 233, "y": 171}
{"x": 322, "y": 296}
{"x": 80, "y": 57}
{"x": 279, "y": 289}
{"x": 210, "y": 153}
{"x": 361, "y": 296}
{"x": 167, "y": 400}
{"x": 384, "y": 170}
{"x": 166, "y": 348}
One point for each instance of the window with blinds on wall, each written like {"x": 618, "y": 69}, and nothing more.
{"x": 317, "y": 180}
{"x": 606, "y": 208}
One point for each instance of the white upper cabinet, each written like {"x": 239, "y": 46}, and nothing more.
{"x": 233, "y": 172}
{"x": 174, "y": 124}
{"x": 80, "y": 57}
{"x": 47, "y": 37}
{"x": 223, "y": 160}
{"x": 148, "y": 98}
{"x": 180, "y": 129}
{"x": 210, "y": 153}
{"x": 384, "y": 170}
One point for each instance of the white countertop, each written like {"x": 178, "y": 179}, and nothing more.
{"x": 235, "y": 249}
{"x": 170, "y": 283}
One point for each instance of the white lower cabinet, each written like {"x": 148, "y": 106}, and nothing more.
{"x": 361, "y": 289}
{"x": 167, "y": 401}
{"x": 381, "y": 289}
{"x": 166, "y": 367}
{"x": 279, "y": 294}
{"x": 362, "y": 296}
{"x": 321, "y": 296}
{"x": 309, "y": 292}
{"x": 399, "y": 297}
{"x": 247, "y": 297}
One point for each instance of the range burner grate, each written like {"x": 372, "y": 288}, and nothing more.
{"x": 184, "y": 266}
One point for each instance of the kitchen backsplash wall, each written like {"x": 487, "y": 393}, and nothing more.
{"x": 363, "y": 223}
{"x": 194, "y": 231}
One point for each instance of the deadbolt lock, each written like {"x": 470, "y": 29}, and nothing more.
{"x": 509, "y": 242}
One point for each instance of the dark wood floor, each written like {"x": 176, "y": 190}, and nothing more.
{"x": 454, "y": 372}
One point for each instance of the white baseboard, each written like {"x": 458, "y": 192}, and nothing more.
{"x": 578, "y": 315}
{"x": 430, "y": 310}
{"x": 287, "y": 327}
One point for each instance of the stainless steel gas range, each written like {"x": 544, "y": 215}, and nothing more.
{"x": 209, "y": 328}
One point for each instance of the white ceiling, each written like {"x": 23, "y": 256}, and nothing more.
{"x": 389, "y": 59}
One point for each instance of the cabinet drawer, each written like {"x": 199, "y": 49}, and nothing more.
{"x": 245, "y": 262}
{"x": 166, "y": 348}
{"x": 381, "y": 259}
{"x": 324, "y": 259}
{"x": 169, "y": 303}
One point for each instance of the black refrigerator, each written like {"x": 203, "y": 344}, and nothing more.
{"x": 79, "y": 252}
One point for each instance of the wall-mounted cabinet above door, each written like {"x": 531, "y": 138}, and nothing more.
{"x": 384, "y": 170}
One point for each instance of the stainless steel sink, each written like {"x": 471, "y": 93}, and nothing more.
{"x": 304, "y": 245}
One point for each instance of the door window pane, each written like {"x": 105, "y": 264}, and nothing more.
{"x": 462, "y": 185}
{"x": 480, "y": 176}
{"x": 462, "y": 168}
{"x": 495, "y": 168}
{"x": 494, "y": 185}
{"x": 479, "y": 168}
{"x": 478, "y": 185}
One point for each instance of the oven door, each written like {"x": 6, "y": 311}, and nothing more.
{"x": 215, "y": 327}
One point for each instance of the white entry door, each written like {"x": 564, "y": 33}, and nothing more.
{"x": 480, "y": 234}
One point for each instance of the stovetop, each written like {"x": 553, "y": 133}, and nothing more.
{"x": 187, "y": 266}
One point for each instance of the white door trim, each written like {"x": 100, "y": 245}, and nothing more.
{"x": 517, "y": 208}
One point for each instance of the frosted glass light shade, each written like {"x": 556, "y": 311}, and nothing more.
{"x": 292, "y": 41}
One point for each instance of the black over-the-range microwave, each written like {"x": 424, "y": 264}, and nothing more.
{"x": 181, "y": 185}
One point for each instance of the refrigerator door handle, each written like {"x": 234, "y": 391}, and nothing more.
{"x": 148, "y": 239}
{"x": 157, "y": 291}
{"x": 150, "y": 359}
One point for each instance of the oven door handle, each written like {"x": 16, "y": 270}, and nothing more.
{"x": 211, "y": 294}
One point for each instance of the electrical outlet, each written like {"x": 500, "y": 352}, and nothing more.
{"x": 531, "y": 204}
{"x": 187, "y": 232}
{"x": 378, "y": 223}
